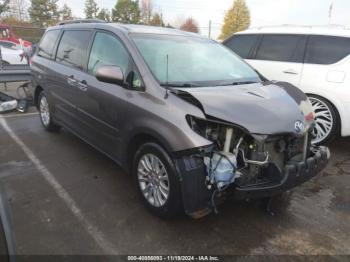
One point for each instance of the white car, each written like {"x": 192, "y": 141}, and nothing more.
{"x": 12, "y": 56}
{"x": 315, "y": 59}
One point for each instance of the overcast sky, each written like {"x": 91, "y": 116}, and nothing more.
{"x": 263, "y": 12}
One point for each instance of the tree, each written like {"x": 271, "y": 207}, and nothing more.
{"x": 91, "y": 9}
{"x": 104, "y": 15}
{"x": 146, "y": 11}
{"x": 66, "y": 13}
{"x": 190, "y": 25}
{"x": 236, "y": 19}
{"x": 126, "y": 11}
{"x": 44, "y": 12}
{"x": 18, "y": 9}
{"x": 157, "y": 20}
{"x": 4, "y": 6}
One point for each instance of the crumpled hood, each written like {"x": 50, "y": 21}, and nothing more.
{"x": 261, "y": 108}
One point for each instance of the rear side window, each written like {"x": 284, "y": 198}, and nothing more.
{"x": 47, "y": 44}
{"x": 242, "y": 45}
{"x": 327, "y": 50}
{"x": 283, "y": 48}
{"x": 73, "y": 47}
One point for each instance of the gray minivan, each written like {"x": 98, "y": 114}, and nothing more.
{"x": 191, "y": 121}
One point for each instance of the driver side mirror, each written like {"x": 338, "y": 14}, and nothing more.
{"x": 110, "y": 74}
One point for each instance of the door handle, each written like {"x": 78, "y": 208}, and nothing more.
{"x": 71, "y": 81}
{"x": 83, "y": 86}
{"x": 290, "y": 72}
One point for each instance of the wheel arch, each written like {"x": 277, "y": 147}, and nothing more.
{"x": 335, "y": 106}
{"x": 137, "y": 139}
{"x": 37, "y": 91}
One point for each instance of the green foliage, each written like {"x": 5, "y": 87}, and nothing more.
{"x": 4, "y": 6}
{"x": 91, "y": 9}
{"x": 104, "y": 15}
{"x": 66, "y": 13}
{"x": 236, "y": 19}
{"x": 44, "y": 13}
{"x": 127, "y": 12}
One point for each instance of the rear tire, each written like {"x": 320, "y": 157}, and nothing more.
{"x": 45, "y": 114}
{"x": 326, "y": 120}
{"x": 157, "y": 181}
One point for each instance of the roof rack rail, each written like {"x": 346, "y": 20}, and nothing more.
{"x": 81, "y": 21}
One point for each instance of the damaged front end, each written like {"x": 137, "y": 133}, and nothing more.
{"x": 243, "y": 165}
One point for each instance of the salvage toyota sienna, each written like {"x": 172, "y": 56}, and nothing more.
{"x": 191, "y": 121}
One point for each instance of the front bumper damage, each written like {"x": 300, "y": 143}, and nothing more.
{"x": 294, "y": 175}
{"x": 197, "y": 198}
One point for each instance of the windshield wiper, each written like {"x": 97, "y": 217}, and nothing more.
{"x": 179, "y": 85}
{"x": 244, "y": 83}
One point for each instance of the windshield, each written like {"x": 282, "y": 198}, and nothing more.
{"x": 192, "y": 61}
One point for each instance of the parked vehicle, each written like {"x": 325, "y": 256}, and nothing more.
{"x": 7, "y": 34}
{"x": 188, "y": 118}
{"x": 10, "y": 45}
{"x": 12, "y": 56}
{"x": 315, "y": 59}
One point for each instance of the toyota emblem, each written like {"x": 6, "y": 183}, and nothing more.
{"x": 299, "y": 127}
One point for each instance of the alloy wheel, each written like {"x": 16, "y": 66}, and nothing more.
{"x": 323, "y": 120}
{"x": 44, "y": 111}
{"x": 153, "y": 180}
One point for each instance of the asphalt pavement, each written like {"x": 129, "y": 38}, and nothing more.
{"x": 67, "y": 198}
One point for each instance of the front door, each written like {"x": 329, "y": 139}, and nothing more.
{"x": 103, "y": 106}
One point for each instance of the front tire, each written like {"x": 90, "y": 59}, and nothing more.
{"x": 326, "y": 120}
{"x": 46, "y": 114}
{"x": 157, "y": 181}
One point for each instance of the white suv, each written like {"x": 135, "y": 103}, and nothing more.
{"x": 315, "y": 59}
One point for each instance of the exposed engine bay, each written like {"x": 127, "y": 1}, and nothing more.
{"x": 258, "y": 144}
{"x": 244, "y": 159}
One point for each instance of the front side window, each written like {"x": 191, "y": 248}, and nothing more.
{"x": 47, "y": 44}
{"x": 108, "y": 50}
{"x": 192, "y": 61}
{"x": 326, "y": 50}
{"x": 242, "y": 45}
{"x": 283, "y": 48}
{"x": 72, "y": 48}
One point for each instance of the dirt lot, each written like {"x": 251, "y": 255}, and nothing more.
{"x": 67, "y": 198}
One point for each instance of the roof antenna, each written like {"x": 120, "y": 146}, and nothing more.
{"x": 167, "y": 77}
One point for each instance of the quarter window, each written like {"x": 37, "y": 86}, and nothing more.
{"x": 72, "y": 48}
{"x": 242, "y": 44}
{"x": 47, "y": 44}
{"x": 283, "y": 48}
{"x": 327, "y": 50}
